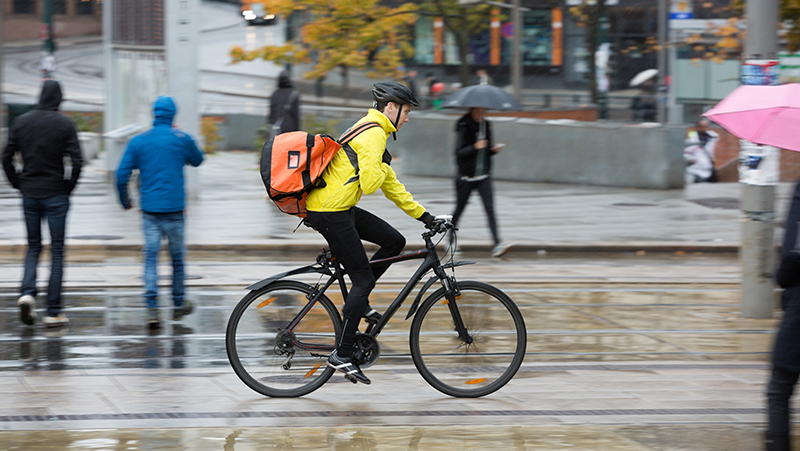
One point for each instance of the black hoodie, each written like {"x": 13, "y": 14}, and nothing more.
{"x": 280, "y": 107}
{"x": 43, "y": 137}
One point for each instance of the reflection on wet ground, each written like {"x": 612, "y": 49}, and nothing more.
{"x": 610, "y": 323}
{"x": 412, "y": 438}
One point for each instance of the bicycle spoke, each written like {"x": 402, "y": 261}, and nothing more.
{"x": 486, "y": 358}
{"x": 273, "y": 360}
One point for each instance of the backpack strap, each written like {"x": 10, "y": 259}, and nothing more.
{"x": 306, "y": 174}
{"x": 348, "y": 136}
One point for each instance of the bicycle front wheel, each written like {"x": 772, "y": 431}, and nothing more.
{"x": 276, "y": 349}
{"x": 482, "y": 361}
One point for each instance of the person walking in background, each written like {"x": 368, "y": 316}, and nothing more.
{"x": 410, "y": 80}
{"x": 284, "y": 106}
{"x": 699, "y": 153}
{"x": 474, "y": 152}
{"x": 160, "y": 155}
{"x": 786, "y": 352}
{"x": 483, "y": 77}
{"x": 43, "y": 137}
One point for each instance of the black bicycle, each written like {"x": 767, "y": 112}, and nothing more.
{"x": 467, "y": 338}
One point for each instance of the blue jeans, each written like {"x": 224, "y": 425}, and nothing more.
{"x": 155, "y": 226}
{"x": 55, "y": 210}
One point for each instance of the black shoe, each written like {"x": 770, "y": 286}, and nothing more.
{"x": 348, "y": 367}
{"x": 184, "y": 309}
{"x": 373, "y": 316}
{"x": 153, "y": 321}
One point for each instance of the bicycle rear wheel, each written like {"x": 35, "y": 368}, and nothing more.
{"x": 482, "y": 362}
{"x": 273, "y": 360}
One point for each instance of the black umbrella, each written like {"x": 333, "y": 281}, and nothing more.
{"x": 482, "y": 96}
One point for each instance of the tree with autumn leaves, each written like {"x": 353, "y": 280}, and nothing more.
{"x": 365, "y": 35}
{"x": 342, "y": 35}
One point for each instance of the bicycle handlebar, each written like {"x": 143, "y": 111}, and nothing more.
{"x": 440, "y": 224}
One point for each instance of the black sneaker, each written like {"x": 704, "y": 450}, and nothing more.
{"x": 373, "y": 316}
{"x": 184, "y": 309}
{"x": 350, "y": 368}
{"x": 153, "y": 321}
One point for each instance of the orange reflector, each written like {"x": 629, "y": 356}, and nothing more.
{"x": 459, "y": 296}
{"x": 266, "y": 303}
{"x": 312, "y": 371}
{"x": 445, "y": 302}
{"x": 475, "y": 381}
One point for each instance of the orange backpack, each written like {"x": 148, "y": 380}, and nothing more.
{"x": 292, "y": 164}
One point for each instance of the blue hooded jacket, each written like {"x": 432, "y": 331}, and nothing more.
{"x": 160, "y": 155}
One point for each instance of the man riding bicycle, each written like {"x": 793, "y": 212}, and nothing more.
{"x": 332, "y": 211}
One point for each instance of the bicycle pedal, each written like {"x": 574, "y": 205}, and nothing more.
{"x": 351, "y": 378}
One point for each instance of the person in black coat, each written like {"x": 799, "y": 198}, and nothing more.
{"x": 284, "y": 106}
{"x": 43, "y": 137}
{"x": 474, "y": 152}
{"x": 786, "y": 353}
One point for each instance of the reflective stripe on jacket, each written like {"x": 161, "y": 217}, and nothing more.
{"x": 339, "y": 195}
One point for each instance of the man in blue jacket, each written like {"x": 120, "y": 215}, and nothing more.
{"x": 160, "y": 155}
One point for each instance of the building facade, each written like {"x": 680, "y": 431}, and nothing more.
{"x": 22, "y": 19}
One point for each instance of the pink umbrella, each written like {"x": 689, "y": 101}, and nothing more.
{"x": 767, "y": 115}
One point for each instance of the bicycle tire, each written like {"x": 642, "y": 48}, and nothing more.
{"x": 461, "y": 369}
{"x": 255, "y": 348}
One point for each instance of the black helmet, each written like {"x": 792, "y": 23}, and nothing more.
{"x": 392, "y": 91}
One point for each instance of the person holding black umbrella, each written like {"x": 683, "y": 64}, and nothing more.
{"x": 474, "y": 151}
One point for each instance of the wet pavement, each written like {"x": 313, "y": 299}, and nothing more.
{"x": 630, "y": 297}
{"x": 231, "y": 213}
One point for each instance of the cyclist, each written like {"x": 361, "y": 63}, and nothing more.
{"x": 332, "y": 211}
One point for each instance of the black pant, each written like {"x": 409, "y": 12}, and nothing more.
{"x": 484, "y": 186}
{"x": 344, "y": 231}
{"x": 779, "y": 392}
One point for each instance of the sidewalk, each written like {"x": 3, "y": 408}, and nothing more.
{"x": 232, "y": 213}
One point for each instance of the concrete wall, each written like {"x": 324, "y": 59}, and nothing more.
{"x": 238, "y": 131}
{"x": 585, "y": 153}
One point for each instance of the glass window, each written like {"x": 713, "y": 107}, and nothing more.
{"x": 536, "y": 45}
{"x": 59, "y": 6}
{"x": 24, "y": 7}
{"x": 84, "y": 7}
{"x": 423, "y": 41}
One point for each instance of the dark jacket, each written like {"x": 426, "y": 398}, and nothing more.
{"x": 786, "y": 354}
{"x": 282, "y": 105}
{"x": 43, "y": 137}
{"x": 160, "y": 155}
{"x": 467, "y": 155}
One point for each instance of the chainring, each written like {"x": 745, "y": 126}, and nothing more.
{"x": 367, "y": 350}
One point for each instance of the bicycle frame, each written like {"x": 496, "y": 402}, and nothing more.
{"x": 431, "y": 261}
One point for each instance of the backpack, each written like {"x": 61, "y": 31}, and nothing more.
{"x": 292, "y": 164}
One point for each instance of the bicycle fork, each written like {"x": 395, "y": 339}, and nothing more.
{"x": 452, "y": 293}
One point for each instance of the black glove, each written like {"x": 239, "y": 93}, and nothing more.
{"x": 426, "y": 219}
{"x": 387, "y": 157}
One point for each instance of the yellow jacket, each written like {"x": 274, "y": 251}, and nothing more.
{"x": 338, "y": 195}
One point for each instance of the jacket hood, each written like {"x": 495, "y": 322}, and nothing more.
{"x": 50, "y": 97}
{"x": 164, "y": 110}
{"x": 285, "y": 80}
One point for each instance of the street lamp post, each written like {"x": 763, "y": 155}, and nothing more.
{"x": 758, "y": 200}
{"x": 516, "y": 60}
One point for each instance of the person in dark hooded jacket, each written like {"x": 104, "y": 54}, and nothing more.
{"x": 43, "y": 137}
{"x": 786, "y": 353}
{"x": 284, "y": 106}
{"x": 160, "y": 155}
